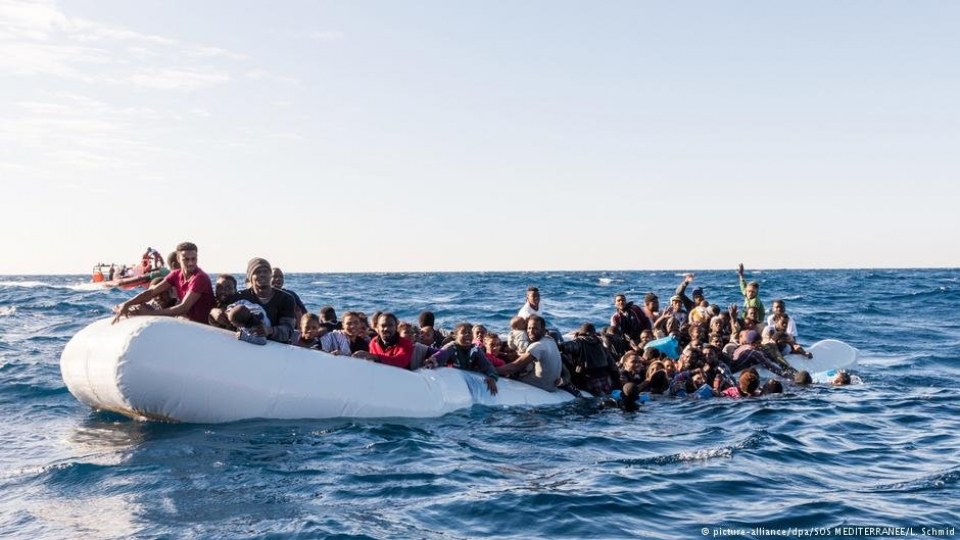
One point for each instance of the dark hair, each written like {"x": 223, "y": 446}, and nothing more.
{"x": 537, "y": 319}
{"x": 309, "y": 317}
{"x": 172, "y": 261}
{"x": 328, "y": 314}
{"x": 533, "y": 289}
{"x": 751, "y": 379}
{"x": 462, "y": 325}
{"x": 803, "y": 377}
{"x": 388, "y": 315}
{"x": 772, "y": 386}
{"x": 587, "y": 329}
{"x": 227, "y": 277}
{"x": 649, "y": 297}
{"x": 186, "y": 246}
{"x": 426, "y": 318}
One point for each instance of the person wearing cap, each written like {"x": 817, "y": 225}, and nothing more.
{"x": 689, "y": 304}
{"x": 278, "y": 305}
{"x": 193, "y": 286}
{"x": 749, "y": 354}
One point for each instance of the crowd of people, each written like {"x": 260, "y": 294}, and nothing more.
{"x": 717, "y": 352}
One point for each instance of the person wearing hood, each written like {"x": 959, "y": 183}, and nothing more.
{"x": 278, "y": 305}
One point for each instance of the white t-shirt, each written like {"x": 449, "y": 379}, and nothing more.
{"x": 547, "y": 366}
{"x": 791, "y": 326}
{"x": 526, "y": 311}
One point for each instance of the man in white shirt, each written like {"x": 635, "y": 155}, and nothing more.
{"x": 542, "y": 353}
{"x": 532, "y": 307}
{"x": 779, "y": 307}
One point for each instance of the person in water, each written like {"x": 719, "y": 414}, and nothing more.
{"x": 192, "y": 284}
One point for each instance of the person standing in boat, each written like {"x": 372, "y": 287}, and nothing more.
{"x": 542, "y": 356}
{"x": 192, "y": 284}
{"x": 278, "y": 305}
{"x": 388, "y": 347}
{"x": 628, "y": 320}
{"x": 751, "y": 295}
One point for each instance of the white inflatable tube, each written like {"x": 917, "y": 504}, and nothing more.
{"x": 160, "y": 368}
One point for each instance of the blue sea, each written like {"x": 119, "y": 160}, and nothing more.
{"x": 818, "y": 461}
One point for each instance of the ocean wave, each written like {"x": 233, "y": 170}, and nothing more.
{"x": 6, "y": 311}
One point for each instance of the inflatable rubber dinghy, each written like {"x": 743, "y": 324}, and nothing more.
{"x": 167, "y": 369}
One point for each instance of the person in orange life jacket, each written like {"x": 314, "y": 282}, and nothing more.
{"x": 192, "y": 284}
{"x": 388, "y": 347}
{"x": 464, "y": 354}
{"x": 278, "y": 305}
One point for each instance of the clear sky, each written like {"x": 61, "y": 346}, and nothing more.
{"x": 480, "y": 135}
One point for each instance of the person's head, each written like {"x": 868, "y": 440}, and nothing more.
{"x": 242, "y": 317}
{"x": 659, "y": 381}
{"x": 676, "y": 303}
{"x": 695, "y": 331}
{"x": 408, "y": 331}
{"x": 587, "y": 329}
{"x": 328, "y": 314}
{"x": 309, "y": 326}
{"x": 651, "y": 302}
{"x": 620, "y": 301}
{"x": 752, "y": 313}
{"x": 536, "y": 328}
{"x": 426, "y": 319}
{"x": 778, "y": 306}
{"x": 803, "y": 378}
{"x": 260, "y": 274}
{"x": 479, "y": 332}
{"x": 697, "y": 295}
{"x": 518, "y": 323}
{"x": 225, "y": 288}
{"x": 841, "y": 379}
{"x": 276, "y": 278}
{"x": 492, "y": 343}
{"x": 631, "y": 396}
{"x": 533, "y": 297}
{"x": 172, "y": 262}
{"x": 752, "y": 289}
{"x": 772, "y": 386}
{"x": 650, "y": 355}
{"x": 187, "y": 257}
{"x": 670, "y": 366}
{"x": 463, "y": 334}
{"x": 632, "y": 362}
{"x": 781, "y": 320}
{"x": 427, "y": 335}
{"x": 646, "y": 336}
{"x": 716, "y": 340}
{"x": 387, "y": 326}
{"x": 353, "y": 324}
{"x": 716, "y": 323}
{"x": 749, "y": 337}
{"x": 749, "y": 381}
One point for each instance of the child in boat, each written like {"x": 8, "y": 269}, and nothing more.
{"x": 224, "y": 293}
{"x": 492, "y": 346}
{"x": 751, "y": 294}
{"x": 463, "y": 354}
{"x": 245, "y": 315}
{"x": 517, "y": 339}
{"x": 748, "y": 384}
{"x": 321, "y": 336}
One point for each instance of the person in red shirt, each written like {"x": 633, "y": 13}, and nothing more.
{"x": 388, "y": 347}
{"x": 193, "y": 287}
